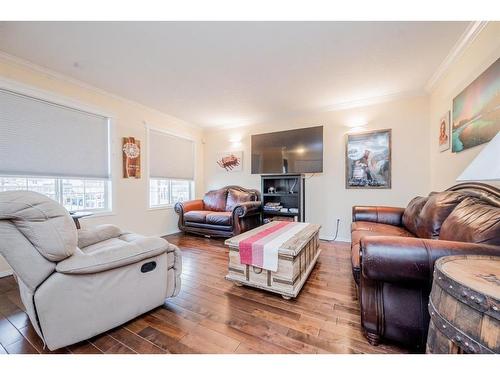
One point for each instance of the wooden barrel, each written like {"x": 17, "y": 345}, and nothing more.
{"x": 464, "y": 305}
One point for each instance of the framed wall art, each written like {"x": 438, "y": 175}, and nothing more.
{"x": 444, "y": 132}
{"x": 476, "y": 111}
{"x": 131, "y": 151}
{"x": 368, "y": 160}
{"x": 230, "y": 161}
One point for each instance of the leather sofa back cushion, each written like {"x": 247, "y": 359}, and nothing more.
{"x": 473, "y": 221}
{"x": 236, "y": 197}
{"x": 412, "y": 212}
{"x": 435, "y": 211}
{"x": 215, "y": 200}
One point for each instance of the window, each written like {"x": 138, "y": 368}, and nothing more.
{"x": 56, "y": 150}
{"x": 164, "y": 192}
{"x": 73, "y": 194}
{"x": 171, "y": 169}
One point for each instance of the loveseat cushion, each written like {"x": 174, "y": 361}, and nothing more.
{"x": 365, "y": 228}
{"x": 196, "y": 216}
{"x": 218, "y": 218}
{"x": 435, "y": 211}
{"x": 411, "y": 216}
{"x": 215, "y": 200}
{"x": 472, "y": 221}
{"x": 236, "y": 197}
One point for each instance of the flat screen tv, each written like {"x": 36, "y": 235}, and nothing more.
{"x": 288, "y": 152}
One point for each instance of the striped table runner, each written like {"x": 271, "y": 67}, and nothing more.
{"x": 261, "y": 249}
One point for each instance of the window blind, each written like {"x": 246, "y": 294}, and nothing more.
{"x": 40, "y": 138}
{"x": 170, "y": 156}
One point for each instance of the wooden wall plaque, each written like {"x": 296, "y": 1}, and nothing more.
{"x": 131, "y": 149}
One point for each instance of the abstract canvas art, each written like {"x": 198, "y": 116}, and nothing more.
{"x": 444, "y": 132}
{"x": 368, "y": 160}
{"x": 476, "y": 111}
{"x": 230, "y": 161}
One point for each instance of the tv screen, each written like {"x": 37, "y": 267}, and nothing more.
{"x": 290, "y": 151}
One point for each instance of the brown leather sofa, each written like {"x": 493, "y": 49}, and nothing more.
{"x": 225, "y": 212}
{"x": 394, "y": 250}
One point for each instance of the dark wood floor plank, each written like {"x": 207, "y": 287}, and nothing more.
{"x": 212, "y": 315}
{"x": 108, "y": 345}
{"x": 135, "y": 342}
{"x": 21, "y": 346}
{"x": 30, "y": 334}
{"x": 83, "y": 347}
{"x": 8, "y": 333}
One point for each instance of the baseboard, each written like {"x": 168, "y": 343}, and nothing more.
{"x": 167, "y": 233}
{"x": 5, "y": 273}
{"x": 326, "y": 238}
{"x": 338, "y": 239}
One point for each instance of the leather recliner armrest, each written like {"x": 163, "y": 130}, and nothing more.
{"x": 193, "y": 205}
{"x": 113, "y": 257}
{"x": 411, "y": 260}
{"x": 247, "y": 208}
{"x": 379, "y": 214}
{"x": 87, "y": 237}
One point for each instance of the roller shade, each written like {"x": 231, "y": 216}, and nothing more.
{"x": 170, "y": 156}
{"x": 40, "y": 138}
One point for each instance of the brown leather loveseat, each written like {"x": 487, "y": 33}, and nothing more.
{"x": 225, "y": 212}
{"x": 394, "y": 250}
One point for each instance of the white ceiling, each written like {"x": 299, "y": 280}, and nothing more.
{"x": 237, "y": 73}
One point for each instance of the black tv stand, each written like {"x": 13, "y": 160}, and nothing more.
{"x": 288, "y": 191}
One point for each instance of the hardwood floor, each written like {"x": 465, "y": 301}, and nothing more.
{"x": 211, "y": 315}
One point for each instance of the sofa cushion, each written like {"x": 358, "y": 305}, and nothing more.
{"x": 196, "y": 216}
{"x": 369, "y": 229}
{"x": 218, "y": 218}
{"x": 412, "y": 213}
{"x": 472, "y": 221}
{"x": 236, "y": 197}
{"x": 435, "y": 211}
{"x": 215, "y": 200}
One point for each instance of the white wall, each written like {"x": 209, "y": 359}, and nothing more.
{"x": 447, "y": 166}
{"x": 130, "y": 208}
{"x": 326, "y": 196}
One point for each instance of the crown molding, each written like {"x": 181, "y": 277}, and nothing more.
{"x": 465, "y": 40}
{"x": 339, "y": 106}
{"x": 61, "y": 77}
{"x": 365, "y": 102}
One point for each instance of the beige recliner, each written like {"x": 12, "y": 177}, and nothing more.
{"x": 77, "y": 284}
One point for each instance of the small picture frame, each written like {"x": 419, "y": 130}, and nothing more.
{"x": 444, "y": 132}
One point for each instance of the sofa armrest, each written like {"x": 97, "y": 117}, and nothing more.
{"x": 247, "y": 209}
{"x": 113, "y": 257}
{"x": 87, "y": 237}
{"x": 379, "y": 214}
{"x": 194, "y": 205}
{"x": 403, "y": 259}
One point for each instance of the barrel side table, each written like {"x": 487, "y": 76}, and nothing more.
{"x": 464, "y": 305}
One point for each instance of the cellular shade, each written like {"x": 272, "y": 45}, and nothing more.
{"x": 170, "y": 156}
{"x": 40, "y": 138}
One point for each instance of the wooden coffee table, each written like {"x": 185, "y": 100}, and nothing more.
{"x": 296, "y": 259}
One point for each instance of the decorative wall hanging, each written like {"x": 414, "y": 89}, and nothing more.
{"x": 131, "y": 148}
{"x": 476, "y": 111}
{"x": 444, "y": 132}
{"x": 231, "y": 161}
{"x": 368, "y": 160}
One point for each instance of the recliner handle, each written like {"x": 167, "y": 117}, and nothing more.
{"x": 148, "y": 267}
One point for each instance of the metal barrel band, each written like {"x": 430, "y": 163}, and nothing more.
{"x": 458, "y": 337}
